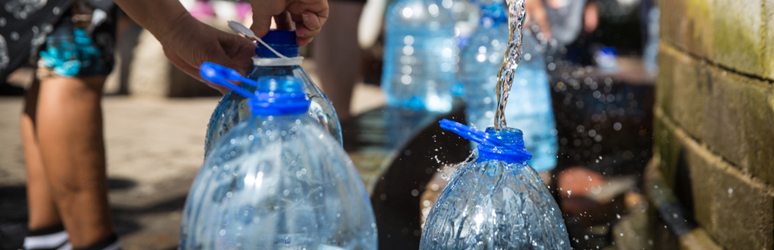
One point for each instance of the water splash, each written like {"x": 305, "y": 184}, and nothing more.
{"x": 448, "y": 172}
{"x": 513, "y": 55}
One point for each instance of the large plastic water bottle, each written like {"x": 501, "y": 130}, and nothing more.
{"x": 232, "y": 107}
{"x": 277, "y": 180}
{"x": 529, "y": 104}
{"x": 419, "y": 55}
{"x": 496, "y": 201}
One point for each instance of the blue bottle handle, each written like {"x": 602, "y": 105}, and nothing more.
{"x": 222, "y": 76}
{"x": 475, "y": 135}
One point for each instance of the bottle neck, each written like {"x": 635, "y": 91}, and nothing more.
{"x": 510, "y": 136}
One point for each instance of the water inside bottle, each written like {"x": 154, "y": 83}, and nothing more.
{"x": 513, "y": 55}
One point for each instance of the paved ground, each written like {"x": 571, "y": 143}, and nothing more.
{"x": 154, "y": 149}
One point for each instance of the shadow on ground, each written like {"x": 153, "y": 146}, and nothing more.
{"x": 13, "y": 218}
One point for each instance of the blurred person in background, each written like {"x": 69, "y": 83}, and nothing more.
{"x": 71, "y": 42}
{"x": 337, "y": 54}
{"x": 572, "y": 22}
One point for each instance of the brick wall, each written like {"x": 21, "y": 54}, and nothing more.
{"x": 715, "y": 115}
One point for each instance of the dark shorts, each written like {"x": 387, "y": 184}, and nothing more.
{"x": 75, "y": 47}
{"x": 77, "y": 36}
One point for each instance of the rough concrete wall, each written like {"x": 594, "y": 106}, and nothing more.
{"x": 715, "y": 115}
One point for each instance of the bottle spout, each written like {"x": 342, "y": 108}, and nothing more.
{"x": 274, "y": 95}
{"x": 505, "y": 145}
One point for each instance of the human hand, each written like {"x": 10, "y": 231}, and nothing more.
{"x": 536, "y": 12}
{"x": 308, "y": 15}
{"x": 590, "y": 17}
{"x": 190, "y": 43}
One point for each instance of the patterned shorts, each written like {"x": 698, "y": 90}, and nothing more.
{"x": 71, "y": 51}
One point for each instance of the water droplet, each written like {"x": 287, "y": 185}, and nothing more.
{"x": 730, "y": 192}
{"x": 589, "y": 178}
{"x": 618, "y": 216}
{"x": 222, "y": 232}
{"x": 414, "y": 193}
{"x": 617, "y": 126}
{"x": 569, "y": 192}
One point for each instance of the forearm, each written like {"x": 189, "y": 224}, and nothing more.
{"x": 537, "y": 13}
{"x": 157, "y": 16}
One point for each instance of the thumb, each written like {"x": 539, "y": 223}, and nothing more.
{"x": 263, "y": 11}
{"x": 261, "y": 25}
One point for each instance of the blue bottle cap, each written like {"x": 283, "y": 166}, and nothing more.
{"x": 504, "y": 145}
{"x": 280, "y": 84}
{"x": 284, "y": 41}
{"x": 286, "y": 37}
{"x": 279, "y": 95}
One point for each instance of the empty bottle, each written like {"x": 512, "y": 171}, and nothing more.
{"x": 232, "y": 107}
{"x": 419, "y": 55}
{"x": 277, "y": 180}
{"x": 495, "y": 201}
{"x": 529, "y": 104}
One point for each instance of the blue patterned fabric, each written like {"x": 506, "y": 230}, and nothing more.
{"x": 71, "y": 52}
{"x": 26, "y": 27}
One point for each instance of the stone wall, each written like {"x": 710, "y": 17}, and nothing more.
{"x": 715, "y": 116}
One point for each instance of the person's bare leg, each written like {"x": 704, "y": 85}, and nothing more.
{"x": 69, "y": 129}
{"x": 337, "y": 54}
{"x": 42, "y": 210}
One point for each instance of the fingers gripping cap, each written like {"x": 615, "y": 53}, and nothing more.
{"x": 284, "y": 41}
{"x": 283, "y": 37}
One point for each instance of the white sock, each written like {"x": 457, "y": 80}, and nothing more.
{"x": 51, "y": 238}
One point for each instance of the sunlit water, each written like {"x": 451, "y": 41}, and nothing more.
{"x": 495, "y": 205}
{"x": 495, "y": 201}
{"x": 513, "y": 55}
{"x": 278, "y": 183}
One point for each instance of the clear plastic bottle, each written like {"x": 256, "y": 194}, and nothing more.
{"x": 466, "y": 16}
{"x": 277, "y": 180}
{"x": 232, "y": 107}
{"x": 419, "y": 55}
{"x": 495, "y": 201}
{"x": 529, "y": 105}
